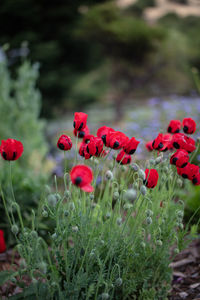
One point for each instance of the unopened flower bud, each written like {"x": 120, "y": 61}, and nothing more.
{"x": 34, "y": 234}
{"x": 158, "y": 160}
{"x": 54, "y": 284}
{"x": 91, "y": 197}
{"x": 66, "y": 213}
{"x": 43, "y": 267}
{"x": 118, "y": 281}
{"x": 13, "y": 280}
{"x": 115, "y": 195}
{"x": 123, "y": 168}
{"x": 108, "y": 215}
{"x": 143, "y": 245}
{"x": 130, "y": 195}
{"x": 52, "y": 200}
{"x": 58, "y": 197}
{"x": 71, "y": 206}
{"x": 180, "y": 182}
{"x": 104, "y": 296}
{"x": 93, "y": 205}
{"x": 45, "y": 214}
{"x": 15, "y": 229}
{"x": 109, "y": 175}
{"x": 119, "y": 221}
{"x": 54, "y": 236}
{"x": 143, "y": 190}
{"x": 141, "y": 174}
{"x": 148, "y": 220}
{"x": 128, "y": 206}
{"x": 75, "y": 228}
{"x": 67, "y": 194}
{"x": 159, "y": 243}
{"x": 180, "y": 213}
{"x": 47, "y": 189}
{"x": 34, "y": 280}
{"x": 135, "y": 167}
{"x": 149, "y": 213}
{"x": 152, "y": 162}
{"x": 176, "y": 251}
{"x": 135, "y": 185}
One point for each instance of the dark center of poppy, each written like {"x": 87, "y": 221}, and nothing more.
{"x": 165, "y": 149}
{"x": 194, "y": 180}
{"x": 104, "y": 138}
{"x": 14, "y": 155}
{"x": 128, "y": 161}
{"x": 132, "y": 151}
{"x": 81, "y": 134}
{"x": 174, "y": 160}
{"x": 169, "y": 129}
{"x": 4, "y": 155}
{"x": 177, "y": 131}
{"x": 185, "y": 129}
{"x": 97, "y": 151}
{"x": 80, "y": 127}
{"x": 176, "y": 145}
{"x": 184, "y": 165}
{"x": 153, "y": 186}
{"x": 153, "y": 143}
{"x": 184, "y": 176}
{"x": 87, "y": 149}
{"x": 78, "y": 180}
{"x": 74, "y": 124}
{"x": 145, "y": 182}
{"x": 160, "y": 145}
{"x": 116, "y": 144}
{"x": 61, "y": 146}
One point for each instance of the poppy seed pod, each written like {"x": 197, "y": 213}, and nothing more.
{"x": 149, "y": 220}
{"x": 143, "y": 190}
{"x": 52, "y": 200}
{"x": 135, "y": 167}
{"x": 141, "y": 174}
{"x": 119, "y": 221}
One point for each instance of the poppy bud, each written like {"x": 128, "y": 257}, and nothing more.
{"x": 159, "y": 243}
{"x": 174, "y": 126}
{"x": 43, "y": 267}
{"x": 149, "y": 213}
{"x": 118, "y": 281}
{"x": 71, "y": 206}
{"x": 176, "y": 251}
{"x": 130, "y": 195}
{"x": 34, "y": 234}
{"x": 135, "y": 167}
{"x": 143, "y": 245}
{"x": 148, "y": 220}
{"x": 109, "y": 175}
{"x": 64, "y": 143}
{"x": 119, "y": 221}
{"x": 141, "y": 174}
{"x": 74, "y": 228}
{"x": 108, "y": 215}
{"x": 45, "y": 214}
{"x": 189, "y": 126}
{"x": 80, "y": 120}
{"x": 67, "y": 194}
{"x": 143, "y": 190}
{"x": 104, "y": 296}
{"x": 66, "y": 213}
{"x": 52, "y": 200}
{"x": 15, "y": 229}
{"x": 11, "y": 149}
{"x": 158, "y": 160}
{"x": 115, "y": 195}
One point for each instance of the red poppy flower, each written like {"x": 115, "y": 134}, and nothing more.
{"x": 163, "y": 142}
{"x": 82, "y": 177}
{"x": 87, "y": 138}
{"x": 82, "y": 133}
{"x": 174, "y": 126}
{"x": 2, "y": 242}
{"x": 117, "y": 140}
{"x": 131, "y": 146}
{"x": 180, "y": 158}
{"x": 95, "y": 146}
{"x": 189, "y": 125}
{"x": 83, "y": 152}
{"x": 103, "y": 132}
{"x": 196, "y": 179}
{"x": 181, "y": 141}
{"x": 11, "y": 149}
{"x": 80, "y": 120}
{"x": 149, "y": 146}
{"x": 151, "y": 178}
{"x": 64, "y": 142}
{"x": 190, "y": 171}
{"x": 123, "y": 158}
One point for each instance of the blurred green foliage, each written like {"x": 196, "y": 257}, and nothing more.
{"x": 20, "y": 104}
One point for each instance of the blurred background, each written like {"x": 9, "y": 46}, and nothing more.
{"x": 103, "y": 52}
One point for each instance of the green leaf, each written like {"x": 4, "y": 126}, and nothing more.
{"x": 6, "y": 275}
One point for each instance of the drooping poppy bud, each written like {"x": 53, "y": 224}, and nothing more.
{"x": 131, "y": 146}
{"x": 80, "y": 120}
{"x": 162, "y": 142}
{"x": 11, "y": 149}
{"x": 117, "y": 140}
{"x": 181, "y": 141}
{"x": 174, "y": 126}
{"x": 82, "y": 177}
{"x": 64, "y": 143}
{"x": 149, "y": 146}
{"x": 102, "y": 132}
{"x": 82, "y": 133}
{"x": 180, "y": 158}
{"x": 2, "y": 242}
{"x": 123, "y": 158}
{"x": 151, "y": 179}
{"x": 189, "y": 125}
{"x": 196, "y": 179}
{"x": 190, "y": 171}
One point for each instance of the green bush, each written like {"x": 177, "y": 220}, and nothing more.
{"x": 20, "y": 105}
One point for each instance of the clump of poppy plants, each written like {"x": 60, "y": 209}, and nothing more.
{"x": 111, "y": 238}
